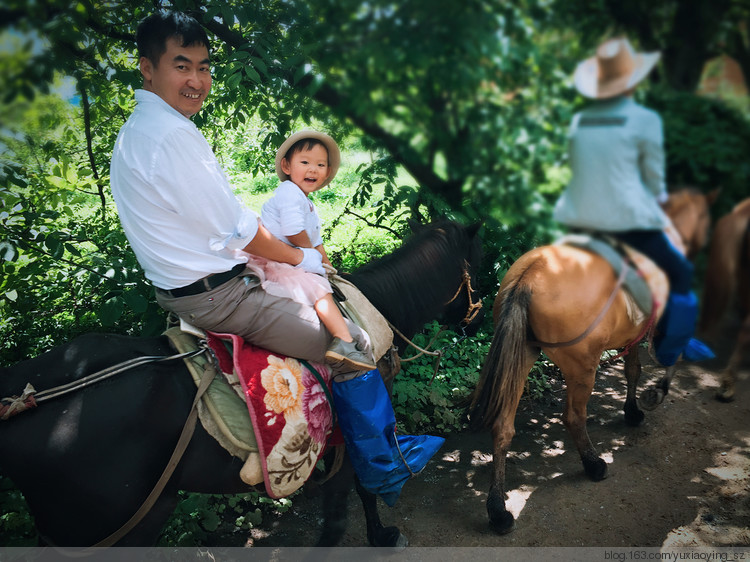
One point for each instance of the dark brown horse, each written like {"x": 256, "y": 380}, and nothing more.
{"x": 728, "y": 279}
{"x": 556, "y": 294}
{"x": 86, "y": 461}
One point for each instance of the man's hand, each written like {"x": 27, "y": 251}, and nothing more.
{"x": 312, "y": 261}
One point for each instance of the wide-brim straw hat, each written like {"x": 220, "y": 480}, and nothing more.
{"x": 615, "y": 69}
{"x": 334, "y": 155}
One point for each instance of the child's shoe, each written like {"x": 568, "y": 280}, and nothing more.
{"x": 348, "y": 356}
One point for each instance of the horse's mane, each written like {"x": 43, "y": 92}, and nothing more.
{"x": 409, "y": 285}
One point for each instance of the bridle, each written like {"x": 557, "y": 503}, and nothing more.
{"x": 474, "y": 307}
{"x": 471, "y": 313}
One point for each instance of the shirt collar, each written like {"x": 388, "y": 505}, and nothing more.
{"x": 145, "y": 97}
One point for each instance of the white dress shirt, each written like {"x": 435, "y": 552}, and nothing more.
{"x": 616, "y": 150}
{"x": 180, "y": 215}
{"x": 289, "y": 211}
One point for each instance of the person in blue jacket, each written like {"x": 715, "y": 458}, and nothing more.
{"x": 616, "y": 152}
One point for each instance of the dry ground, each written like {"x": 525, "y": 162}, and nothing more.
{"x": 680, "y": 479}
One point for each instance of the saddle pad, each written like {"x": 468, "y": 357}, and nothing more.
{"x": 291, "y": 414}
{"x": 635, "y": 283}
{"x": 222, "y": 411}
{"x": 359, "y": 310}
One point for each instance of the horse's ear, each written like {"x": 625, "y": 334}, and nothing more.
{"x": 472, "y": 229}
{"x": 713, "y": 195}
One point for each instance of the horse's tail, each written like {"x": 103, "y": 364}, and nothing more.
{"x": 503, "y": 373}
{"x": 721, "y": 274}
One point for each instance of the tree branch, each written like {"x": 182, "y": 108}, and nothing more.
{"x": 328, "y": 96}
{"x": 89, "y": 147}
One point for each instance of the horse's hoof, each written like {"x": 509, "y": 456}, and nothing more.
{"x": 650, "y": 398}
{"x": 633, "y": 416}
{"x": 503, "y": 523}
{"x": 595, "y": 469}
{"x": 389, "y": 537}
{"x": 725, "y": 395}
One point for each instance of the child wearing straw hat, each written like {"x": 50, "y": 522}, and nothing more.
{"x": 306, "y": 162}
{"x": 616, "y": 152}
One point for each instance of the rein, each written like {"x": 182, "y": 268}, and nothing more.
{"x": 595, "y": 323}
{"x": 474, "y": 307}
{"x": 19, "y": 404}
{"x": 12, "y": 405}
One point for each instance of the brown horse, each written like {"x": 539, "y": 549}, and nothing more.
{"x": 728, "y": 278}
{"x": 556, "y": 294}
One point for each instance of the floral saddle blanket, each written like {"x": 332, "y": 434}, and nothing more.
{"x": 272, "y": 411}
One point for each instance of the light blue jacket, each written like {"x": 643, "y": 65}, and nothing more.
{"x": 616, "y": 150}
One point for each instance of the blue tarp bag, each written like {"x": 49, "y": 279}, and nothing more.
{"x": 383, "y": 461}
{"x": 676, "y": 329}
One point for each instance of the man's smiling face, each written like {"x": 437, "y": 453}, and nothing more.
{"x": 182, "y": 78}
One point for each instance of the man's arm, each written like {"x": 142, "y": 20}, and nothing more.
{"x": 266, "y": 245}
{"x": 302, "y": 240}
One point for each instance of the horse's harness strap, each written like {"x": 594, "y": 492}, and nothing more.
{"x": 595, "y": 323}
{"x": 647, "y": 329}
{"x": 182, "y": 444}
{"x": 30, "y": 397}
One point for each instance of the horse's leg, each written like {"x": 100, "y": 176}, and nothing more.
{"x": 335, "y": 494}
{"x": 579, "y": 380}
{"x": 377, "y": 535}
{"x": 503, "y": 430}
{"x": 729, "y": 376}
{"x": 633, "y": 414}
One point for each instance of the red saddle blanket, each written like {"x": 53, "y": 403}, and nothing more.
{"x": 290, "y": 412}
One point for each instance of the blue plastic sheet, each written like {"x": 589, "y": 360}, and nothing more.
{"x": 676, "y": 327}
{"x": 382, "y": 460}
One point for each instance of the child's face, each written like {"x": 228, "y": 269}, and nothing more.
{"x": 308, "y": 168}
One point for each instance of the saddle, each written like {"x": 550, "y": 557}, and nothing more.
{"x": 646, "y": 286}
{"x": 251, "y": 412}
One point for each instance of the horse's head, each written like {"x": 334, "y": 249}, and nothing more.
{"x": 464, "y": 308}
{"x": 689, "y": 210}
{"x": 431, "y": 276}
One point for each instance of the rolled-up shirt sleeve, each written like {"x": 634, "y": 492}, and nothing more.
{"x": 225, "y": 222}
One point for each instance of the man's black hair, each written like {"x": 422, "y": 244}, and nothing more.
{"x": 154, "y": 31}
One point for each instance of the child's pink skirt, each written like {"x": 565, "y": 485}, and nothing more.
{"x": 285, "y": 280}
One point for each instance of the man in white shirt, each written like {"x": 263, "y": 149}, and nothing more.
{"x": 184, "y": 223}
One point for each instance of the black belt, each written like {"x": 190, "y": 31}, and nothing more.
{"x": 206, "y": 284}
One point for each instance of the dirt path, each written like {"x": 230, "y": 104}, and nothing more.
{"x": 681, "y": 479}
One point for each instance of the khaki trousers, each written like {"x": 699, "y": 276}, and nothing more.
{"x": 241, "y": 306}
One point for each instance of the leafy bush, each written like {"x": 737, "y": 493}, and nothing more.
{"x": 197, "y": 516}
{"x": 707, "y": 143}
{"x": 424, "y": 400}
{"x": 16, "y": 524}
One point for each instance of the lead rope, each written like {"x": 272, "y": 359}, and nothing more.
{"x": 29, "y": 398}
{"x": 182, "y": 444}
{"x": 595, "y": 323}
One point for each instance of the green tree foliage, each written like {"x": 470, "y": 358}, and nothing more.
{"x": 707, "y": 145}
{"x": 688, "y": 32}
